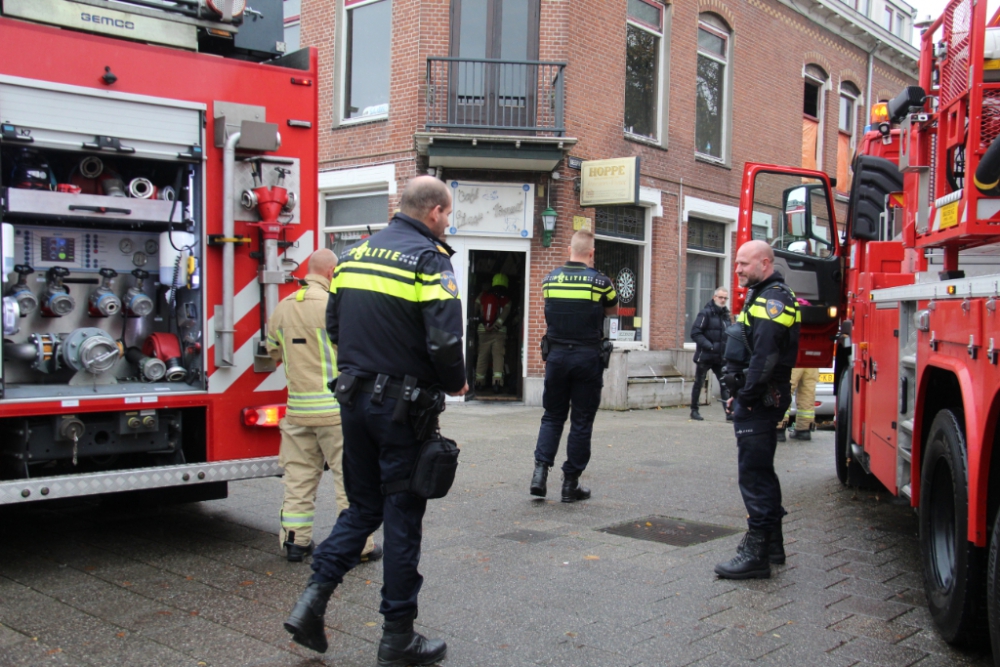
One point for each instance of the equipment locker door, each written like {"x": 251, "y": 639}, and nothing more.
{"x": 792, "y": 210}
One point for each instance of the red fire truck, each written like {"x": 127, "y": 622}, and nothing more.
{"x": 158, "y": 172}
{"x": 911, "y": 295}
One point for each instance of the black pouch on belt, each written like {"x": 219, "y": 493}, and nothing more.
{"x": 607, "y": 347}
{"x": 425, "y": 406}
{"x": 401, "y": 413}
{"x": 344, "y": 388}
{"x": 434, "y": 471}
{"x": 545, "y": 348}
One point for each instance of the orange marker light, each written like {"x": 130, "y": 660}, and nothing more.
{"x": 879, "y": 113}
{"x": 263, "y": 415}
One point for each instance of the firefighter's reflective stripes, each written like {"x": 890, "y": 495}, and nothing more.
{"x": 407, "y": 285}
{"x": 293, "y": 520}
{"x": 329, "y": 361}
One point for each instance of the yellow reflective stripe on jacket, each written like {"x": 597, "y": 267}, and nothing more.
{"x": 422, "y": 289}
{"x": 563, "y": 293}
{"x": 786, "y": 318}
{"x": 312, "y": 404}
{"x": 326, "y": 355}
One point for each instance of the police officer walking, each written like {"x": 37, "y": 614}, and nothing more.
{"x": 765, "y": 352}
{"x": 707, "y": 333}
{"x": 577, "y": 299}
{"x": 396, "y": 296}
{"x": 310, "y": 430}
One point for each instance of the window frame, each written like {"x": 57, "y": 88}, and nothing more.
{"x": 821, "y": 100}
{"x": 340, "y": 64}
{"x": 726, "y": 112}
{"x": 649, "y": 201}
{"x": 847, "y": 94}
{"x": 662, "y": 74}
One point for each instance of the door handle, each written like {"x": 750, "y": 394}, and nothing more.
{"x": 100, "y": 209}
{"x": 795, "y": 265}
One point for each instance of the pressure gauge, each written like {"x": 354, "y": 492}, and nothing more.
{"x": 152, "y": 247}
{"x": 126, "y": 246}
{"x": 140, "y": 259}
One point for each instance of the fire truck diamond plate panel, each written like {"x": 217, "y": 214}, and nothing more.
{"x": 25, "y": 490}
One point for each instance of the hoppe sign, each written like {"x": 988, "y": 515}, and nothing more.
{"x": 609, "y": 182}
{"x": 492, "y": 209}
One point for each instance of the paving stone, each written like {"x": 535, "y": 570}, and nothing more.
{"x": 879, "y": 653}
{"x": 882, "y": 609}
{"x": 868, "y": 626}
{"x": 866, "y": 588}
{"x": 744, "y": 643}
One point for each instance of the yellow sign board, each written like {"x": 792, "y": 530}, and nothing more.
{"x": 949, "y": 215}
{"x": 581, "y": 222}
{"x": 609, "y": 182}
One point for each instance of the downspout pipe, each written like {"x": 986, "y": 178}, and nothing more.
{"x": 226, "y": 334}
{"x": 871, "y": 66}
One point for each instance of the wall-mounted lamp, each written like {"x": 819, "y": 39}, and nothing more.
{"x": 549, "y": 216}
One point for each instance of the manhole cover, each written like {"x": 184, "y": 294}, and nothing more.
{"x": 527, "y": 536}
{"x": 669, "y": 531}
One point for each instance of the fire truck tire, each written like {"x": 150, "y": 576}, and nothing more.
{"x": 954, "y": 568}
{"x": 849, "y": 471}
{"x": 993, "y": 590}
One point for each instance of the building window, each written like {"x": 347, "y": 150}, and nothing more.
{"x": 293, "y": 25}
{"x": 861, "y": 6}
{"x": 619, "y": 253}
{"x": 366, "y": 62}
{"x": 643, "y": 67}
{"x": 812, "y": 117}
{"x": 350, "y": 218}
{"x": 712, "y": 104}
{"x": 706, "y": 244}
{"x": 846, "y": 126}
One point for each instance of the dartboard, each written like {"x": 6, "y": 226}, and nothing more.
{"x": 626, "y": 285}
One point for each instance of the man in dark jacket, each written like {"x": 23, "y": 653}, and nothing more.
{"x": 707, "y": 333}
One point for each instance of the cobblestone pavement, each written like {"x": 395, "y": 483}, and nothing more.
{"x": 510, "y": 580}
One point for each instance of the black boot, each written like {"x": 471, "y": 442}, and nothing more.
{"x": 776, "y": 548}
{"x": 695, "y": 415}
{"x": 306, "y": 620}
{"x": 751, "y": 561}
{"x": 538, "y": 487}
{"x": 401, "y": 646}
{"x": 572, "y": 491}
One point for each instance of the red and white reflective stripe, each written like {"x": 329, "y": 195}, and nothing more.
{"x": 246, "y": 300}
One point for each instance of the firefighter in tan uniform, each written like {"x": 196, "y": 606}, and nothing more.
{"x": 310, "y": 431}
{"x": 493, "y": 307}
{"x": 804, "y": 382}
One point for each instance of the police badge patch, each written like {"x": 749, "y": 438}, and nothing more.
{"x": 449, "y": 283}
{"x": 774, "y": 308}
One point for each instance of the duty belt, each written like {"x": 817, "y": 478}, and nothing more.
{"x": 389, "y": 388}
{"x": 574, "y": 346}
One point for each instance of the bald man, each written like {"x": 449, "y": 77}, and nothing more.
{"x": 758, "y": 366}
{"x": 310, "y": 431}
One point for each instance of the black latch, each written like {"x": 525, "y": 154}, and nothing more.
{"x": 11, "y": 132}
{"x": 193, "y": 153}
{"x": 108, "y": 143}
{"x": 895, "y": 333}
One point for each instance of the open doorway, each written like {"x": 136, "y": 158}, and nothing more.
{"x": 495, "y": 313}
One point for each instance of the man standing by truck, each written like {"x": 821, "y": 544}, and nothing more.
{"x": 760, "y": 358}
{"x": 310, "y": 431}
{"x": 707, "y": 333}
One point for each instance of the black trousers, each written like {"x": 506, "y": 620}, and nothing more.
{"x": 377, "y": 451}
{"x": 572, "y": 377}
{"x": 699, "y": 379}
{"x": 756, "y": 441}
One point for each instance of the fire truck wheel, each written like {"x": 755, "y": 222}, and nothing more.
{"x": 953, "y": 566}
{"x": 993, "y": 590}
{"x": 849, "y": 471}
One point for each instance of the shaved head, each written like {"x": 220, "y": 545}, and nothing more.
{"x": 581, "y": 245}
{"x": 322, "y": 262}
{"x": 754, "y": 263}
{"x": 428, "y": 200}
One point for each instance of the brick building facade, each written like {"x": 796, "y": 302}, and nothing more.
{"x": 695, "y": 90}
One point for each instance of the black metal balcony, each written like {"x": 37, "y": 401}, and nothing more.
{"x": 493, "y": 96}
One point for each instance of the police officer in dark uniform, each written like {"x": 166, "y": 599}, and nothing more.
{"x": 577, "y": 299}
{"x": 764, "y": 350}
{"x": 395, "y": 315}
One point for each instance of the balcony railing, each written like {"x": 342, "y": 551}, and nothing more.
{"x": 501, "y": 96}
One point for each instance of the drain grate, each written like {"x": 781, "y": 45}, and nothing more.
{"x": 675, "y": 532}
{"x": 527, "y": 536}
